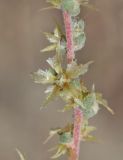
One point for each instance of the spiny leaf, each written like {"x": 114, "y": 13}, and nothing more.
{"x": 88, "y": 129}
{"x": 20, "y": 154}
{"x": 67, "y": 108}
{"x": 55, "y": 63}
{"x": 51, "y": 95}
{"x": 43, "y": 77}
{"x": 51, "y": 38}
{"x": 103, "y": 102}
{"x": 58, "y": 40}
{"x": 74, "y": 70}
{"x": 89, "y": 138}
{"x": 85, "y": 3}
{"x": 49, "y": 48}
{"x": 91, "y": 7}
{"x": 59, "y": 28}
{"x": 47, "y": 8}
{"x": 52, "y": 134}
{"x": 62, "y": 149}
{"x": 85, "y": 133}
{"x": 55, "y": 3}
{"x": 52, "y": 149}
{"x": 55, "y": 36}
{"x": 57, "y": 32}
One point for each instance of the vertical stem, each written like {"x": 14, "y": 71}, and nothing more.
{"x": 69, "y": 36}
{"x": 78, "y": 115}
{"x": 78, "y": 118}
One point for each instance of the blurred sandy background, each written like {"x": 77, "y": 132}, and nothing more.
{"x": 22, "y": 124}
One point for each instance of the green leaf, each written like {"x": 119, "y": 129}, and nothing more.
{"x": 78, "y": 27}
{"x": 79, "y": 42}
{"x": 71, "y": 6}
{"x": 79, "y": 37}
{"x": 65, "y": 138}
{"x": 90, "y": 103}
{"x": 49, "y": 48}
{"x": 20, "y": 154}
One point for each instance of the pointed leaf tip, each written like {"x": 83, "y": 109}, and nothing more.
{"x": 49, "y": 48}
{"x": 20, "y": 154}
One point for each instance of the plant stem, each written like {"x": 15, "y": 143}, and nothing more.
{"x": 69, "y": 37}
{"x": 78, "y": 115}
{"x": 78, "y": 118}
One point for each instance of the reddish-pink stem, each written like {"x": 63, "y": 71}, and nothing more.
{"x": 78, "y": 115}
{"x": 78, "y": 118}
{"x": 69, "y": 36}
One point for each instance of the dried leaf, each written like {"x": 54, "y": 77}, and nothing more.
{"x": 62, "y": 149}
{"x": 90, "y": 6}
{"x": 55, "y": 63}
{"x": 55, "y": 3}
{"x": 74, "y": 71}
{"x": 51, "y": 38}
{"x": 85, "y": 133}
{"x": 52, "y": 134}
{"x": 43, "y": 77}
{"x": 67, "y": 108}
{"x": 84, "y": 2}
{"x": 103, "y": 102}
{"x": 57, "y": 32}
{"x": 89, "y": 138}
{"x": 52, "y": 95}
{"x": 58, "y": 40}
